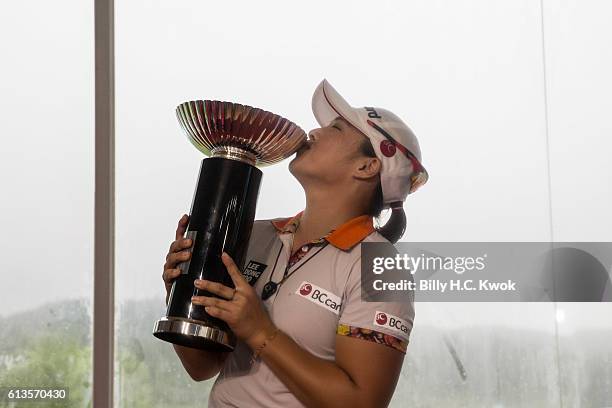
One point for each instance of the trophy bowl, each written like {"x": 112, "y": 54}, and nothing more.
{"x": 237, "y": 139}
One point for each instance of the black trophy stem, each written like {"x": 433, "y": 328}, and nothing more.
{"x": 221, "y": 219}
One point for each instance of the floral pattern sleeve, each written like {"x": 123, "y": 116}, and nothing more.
{"x": 372, "y": 335}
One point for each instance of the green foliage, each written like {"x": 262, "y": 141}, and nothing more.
{"x": 53, "y": 361}
{"x": 147, "y": 371}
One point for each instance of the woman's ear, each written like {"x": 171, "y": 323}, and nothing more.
{"x": 367, "y": 167}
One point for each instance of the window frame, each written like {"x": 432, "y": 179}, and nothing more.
{"x": 104, "y": 206}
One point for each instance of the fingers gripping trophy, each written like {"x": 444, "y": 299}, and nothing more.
{"x": 237, "y": 139}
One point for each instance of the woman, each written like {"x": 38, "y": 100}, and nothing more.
{"x": 305, "y": 336}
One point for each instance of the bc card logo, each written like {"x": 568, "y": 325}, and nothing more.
{"x": 393, "y": 323}
{"x": 253, "y": 271}
{"x": 387, "y": 148}
{"x": 319, "y": 296}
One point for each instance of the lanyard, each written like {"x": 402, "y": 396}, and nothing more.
{"x": 271, "y": 287}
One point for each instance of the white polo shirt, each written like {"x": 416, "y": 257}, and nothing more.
{"x": 313, "y": 305}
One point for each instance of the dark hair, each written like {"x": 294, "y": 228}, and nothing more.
{"x": 394, "y": 229}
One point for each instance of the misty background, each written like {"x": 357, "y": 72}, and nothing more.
{"x": 509, "y": 100}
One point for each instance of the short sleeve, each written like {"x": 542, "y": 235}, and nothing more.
{"x": 388, "y": 323}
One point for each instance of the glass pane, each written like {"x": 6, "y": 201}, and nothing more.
{"x": 468, "y": 80}
{"x": 480, "y": 354}
{"x": 484, "y": 122}
{"x": 47, "y": 178}
{"x": 578, "y": 47}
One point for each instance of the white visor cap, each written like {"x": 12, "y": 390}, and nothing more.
{"x": 394, "y": 143}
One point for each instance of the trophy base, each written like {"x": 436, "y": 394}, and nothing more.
{"x": 193, "y": 333}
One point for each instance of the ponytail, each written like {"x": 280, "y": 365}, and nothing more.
{"x": 394, "y": 229}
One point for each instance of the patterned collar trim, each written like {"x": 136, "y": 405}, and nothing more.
{"x": 344, "y": 237}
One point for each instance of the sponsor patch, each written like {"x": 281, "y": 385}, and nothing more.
{"x": 253, "y": 271}
{"x": 319, "y": 296}
{"x": 393, "y": 323}
{"x": 387, "y": 148}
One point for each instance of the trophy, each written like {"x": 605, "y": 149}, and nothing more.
{"x": 237, "y": 139}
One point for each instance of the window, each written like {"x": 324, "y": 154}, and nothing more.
{"x": 47, "y": 178}
{"x": 509, "y": 102}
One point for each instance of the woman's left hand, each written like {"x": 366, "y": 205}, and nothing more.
{"x": 240, "y": 308}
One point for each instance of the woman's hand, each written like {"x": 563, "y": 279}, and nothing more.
{"x": 177, "y": 253}
{"x": 240, "y": 308}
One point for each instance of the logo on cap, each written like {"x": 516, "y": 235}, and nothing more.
{"x": 305, "y": 289}
{"x": 387, "y": 148}
{"x": 381, "y": 318}
{"x": 372, "y": 113}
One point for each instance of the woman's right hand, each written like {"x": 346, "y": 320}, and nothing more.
{"x": 177, "y": 254}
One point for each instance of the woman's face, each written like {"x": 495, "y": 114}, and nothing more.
{"x": 332, "y": 156}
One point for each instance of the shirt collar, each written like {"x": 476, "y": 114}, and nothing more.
{"x": 343, "y": 237}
